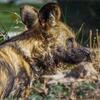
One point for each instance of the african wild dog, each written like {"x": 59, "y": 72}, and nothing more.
{"x": 46, "y": 43}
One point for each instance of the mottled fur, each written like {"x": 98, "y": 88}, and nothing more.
{"x": 16, "y": 54}
{"x": 37, "y": 48}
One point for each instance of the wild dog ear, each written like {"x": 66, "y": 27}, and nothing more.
{"x": 50, "y": 13}
{"x": 29, "y": 15}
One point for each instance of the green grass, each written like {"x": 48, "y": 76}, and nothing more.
{"x": 5, "y": 16}
{"x": 82, "y": 91}
{"x": 8, "y": 19}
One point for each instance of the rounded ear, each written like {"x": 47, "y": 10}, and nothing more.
{"x": 50, "y": 11}
{"x": 29, "y": 15}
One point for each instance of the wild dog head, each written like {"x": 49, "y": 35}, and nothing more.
{"x": 64, "y": 38}
{"x": 29, "y": 16}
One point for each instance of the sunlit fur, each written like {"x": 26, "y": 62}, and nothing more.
{"x": 22, "y": 51}
{"x": 18, "y": 53}
{"x": 27, "y": 49}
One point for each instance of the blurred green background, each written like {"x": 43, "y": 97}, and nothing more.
{"x": 81, "y": 15}
{"x": 10, "y": 18}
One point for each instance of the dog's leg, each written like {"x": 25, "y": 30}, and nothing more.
{"x": 8, "y": 88}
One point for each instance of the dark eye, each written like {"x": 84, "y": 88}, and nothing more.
{"x": 69, "y": 42}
